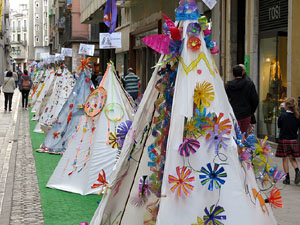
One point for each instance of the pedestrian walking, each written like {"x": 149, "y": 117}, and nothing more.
{"x": 288, "y": 149}
{"x": 131, "y": 82}
{"x": 8, "y": 90}
{"x": 15, "y": 75}
{"x": 25, "y": 85}
{"x": 243, "y": 97}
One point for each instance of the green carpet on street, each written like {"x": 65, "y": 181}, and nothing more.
{"x": 59, "y": 207}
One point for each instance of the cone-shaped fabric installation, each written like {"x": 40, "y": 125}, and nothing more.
{"x": 183, "y": 161}
{"x": 69, "y": 117}
{"x": 92, "y": 149}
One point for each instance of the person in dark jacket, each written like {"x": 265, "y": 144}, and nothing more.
{"x": 243, "y": 97}
{"x": 25, "y": 85}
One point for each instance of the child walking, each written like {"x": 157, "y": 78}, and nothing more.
{"x": 288, "y": 149}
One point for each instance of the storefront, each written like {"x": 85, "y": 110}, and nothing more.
{"x": 273, "y": 27}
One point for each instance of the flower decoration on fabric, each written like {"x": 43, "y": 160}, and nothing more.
{"x": 200, "y": 116}
{"x": 217, "y": 139}
{"x": 213, "y": 176}
{"x": 246, "y": 156}
{"x": 182, "y": 181}
{"x": 204, "y": 94}
{"x": 84, "y": 64}
{"x": 101, "y": 179}
{"x": 221, "y": 124}
{"x": 193, "y": 29}
{"x": 113, "y": 140}
{"x": 191, "y": 130}
{"x": 213, "y": 216}
{"x": 275, "y": 198}
{"x": 143, "y": 193}
{"x": 56, "y": 135}
{"x": 199, "y": 221}
{"x": 194, "y": 43}
{"x": 278, "y": 175}
{"x": 188, "y": 146}
{"x": 123, "y": 129}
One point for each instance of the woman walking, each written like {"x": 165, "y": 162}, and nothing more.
{"x": 25, "y": 84}
{"x": 8, "y": 89}
{"x": 288, "y": 149}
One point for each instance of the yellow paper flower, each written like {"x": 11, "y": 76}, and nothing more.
{"x": 199, "y": 221}
{"x": 204, "y": 94}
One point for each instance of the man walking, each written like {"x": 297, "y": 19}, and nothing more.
{"x": 131, "y": 83}
{"x": 243, "y": 97}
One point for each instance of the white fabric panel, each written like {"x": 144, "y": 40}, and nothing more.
{"x": 102, "y": 155}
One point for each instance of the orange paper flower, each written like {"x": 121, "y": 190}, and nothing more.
{"x": 84, "y": 64}
{"x": 275, "y": 198}
{"x": 182, "y": 181}
{"x": 194, "y": 43}
{"x": 221, "y": 124}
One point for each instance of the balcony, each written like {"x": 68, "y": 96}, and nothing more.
{"x": 24, "y": 28}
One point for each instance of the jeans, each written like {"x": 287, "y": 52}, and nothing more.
{"x": 16, "y": 84}
{"x": 8, "y": 100}
{"x": 25, "y": 95}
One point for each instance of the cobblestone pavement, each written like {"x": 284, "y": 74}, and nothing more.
{"x": 21, "y": 201}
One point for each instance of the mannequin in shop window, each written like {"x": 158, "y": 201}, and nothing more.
{"x": 268, "y": 109}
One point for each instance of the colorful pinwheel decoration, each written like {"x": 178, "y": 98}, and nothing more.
{"x": 113, "y": 140}
{"x": 200, "y": 116}
{"x": 217, "y": 139}
{"x": 213, "y": 215}
{"x": 84, "y": 64}
{"x": 143, "y": 194}
{"x": 101, "y": 179}
{"x": 275, "y": 199}
{"x": 122, "y": 131}
{"x": 188, "y": 146}
{"x": 204, "y": 94}
{"x": 213, "y": 176}
{"x": 182, "y": 181}
{"x": 193, "y": 29}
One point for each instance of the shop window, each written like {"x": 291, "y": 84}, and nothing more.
{"x": 272, "y": 82}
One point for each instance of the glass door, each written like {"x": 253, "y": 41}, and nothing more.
{"x": 272, "y": 82}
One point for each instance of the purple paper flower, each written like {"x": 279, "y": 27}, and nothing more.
{"x": 217, "y": 139}
{"x": 193, "y": 29}
{"x": 213, "y": 216}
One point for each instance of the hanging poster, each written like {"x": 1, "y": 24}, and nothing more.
{"x": 112, "y": 40}
{"x": 85, "y": 49}
{"x": 66, "y": 52}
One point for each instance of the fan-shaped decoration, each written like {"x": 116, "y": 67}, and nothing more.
{"x": 188, "y": 146}
{"x": 159, "y": 43}
{"x": 275, "y": 198}
{"x": 123, "y": 129}
{"x": 95, "y": 102}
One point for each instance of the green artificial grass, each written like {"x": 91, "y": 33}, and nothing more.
{"x": 59, "y": 207}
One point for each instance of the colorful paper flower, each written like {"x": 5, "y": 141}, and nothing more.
{"x": 113, "y": 140}
{"x": 101, "y": 179}
{"x": 56, "y": 135}
{"x": 221, "y": 124}
{"x": 217, "y": 139}
{"x": 193, "y": 29}
{"x": 143, "y": 192}
{"x": 213, "y": 215}
{"x": 188, "y": 146}
{"x": 275, "y": 199}
{"x": 123, "y": 129}
{"x": 182, "y": 181}
{"x": 200, "y": 116}
{"x": 84, "y": 64}
{"x": 246, "y": 156}
{"x": 213, "y": 176}
{"x": 191, "y": 130}
{"x": 278, "y": 175}
{"x": 199, "y": 221}
{"x": 204, "y": 94}
{"x": 194, "y": 43}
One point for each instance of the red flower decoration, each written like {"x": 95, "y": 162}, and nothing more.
{"x": 91, "y": 88}
{"x": 55, "y": 134}
{"x": 199, "y": 72}
{"x": 71, "y": 105}
{"x": 194, "y": 43}
{"x": 275, "y": 198}
{"x": 101, "y": 179}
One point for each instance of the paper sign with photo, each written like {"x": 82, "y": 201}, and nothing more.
{"x": 67, "y": 52}
{"x": 210, "y": 3}
{"x": 112, "y": 40}
{"x": 85, "y": 49}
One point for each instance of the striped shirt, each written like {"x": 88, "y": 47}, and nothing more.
{"x": 131, "y": 83}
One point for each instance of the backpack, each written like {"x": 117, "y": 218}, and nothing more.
{"x": 26, "y": 85}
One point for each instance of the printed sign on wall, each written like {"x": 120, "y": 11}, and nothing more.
{"x": 113, "y": 40}
{"x": 85, "y": 49}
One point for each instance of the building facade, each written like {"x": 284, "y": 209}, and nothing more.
{"x": 19, "y": 37}
{"x": 4, "y": 37}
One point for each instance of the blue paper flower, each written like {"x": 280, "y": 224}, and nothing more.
{"x": 213, "y": 176}
{"x": 213, "y": 216}
{"x": 200, "y": 117}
